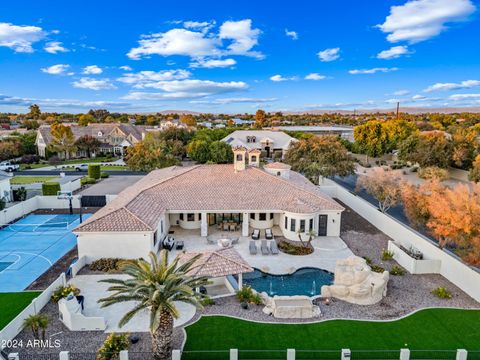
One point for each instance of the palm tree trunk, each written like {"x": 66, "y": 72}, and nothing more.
{"x": 162, "y": 338}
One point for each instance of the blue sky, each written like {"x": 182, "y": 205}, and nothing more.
{"x": 211, "y": 56}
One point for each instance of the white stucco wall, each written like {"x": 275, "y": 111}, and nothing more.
{"x": 190, "y": 225}
{"x": 333, "y": 223}
{"x": 131, "y": 245}
{"x": 260, "y": 224}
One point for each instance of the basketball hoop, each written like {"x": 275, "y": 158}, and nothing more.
{"x": 64, "y": 195}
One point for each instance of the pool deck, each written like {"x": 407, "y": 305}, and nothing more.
{"x": 328, "y": 250}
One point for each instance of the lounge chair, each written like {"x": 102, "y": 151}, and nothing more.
{"x": 252, "y": 247}
{"x": 264, "y": 248}
{"x": 235, "y": 240}
{"x": 256, "y": 234}
{"x": 268, "y": 234}
{"x": 273, "y": 247}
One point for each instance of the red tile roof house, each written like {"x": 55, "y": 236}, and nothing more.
{"x": 200, "y": 196}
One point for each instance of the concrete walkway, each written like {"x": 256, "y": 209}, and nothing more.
{"x": 93, "y": 291}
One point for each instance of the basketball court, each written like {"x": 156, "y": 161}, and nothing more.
{"x": 30, "y": 246}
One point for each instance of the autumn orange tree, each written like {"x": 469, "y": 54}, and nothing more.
{"x": 383, "y": 185}
{"x": 452, "y": 215}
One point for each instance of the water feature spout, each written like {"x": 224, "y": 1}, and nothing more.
{"x": 314, "y": 287}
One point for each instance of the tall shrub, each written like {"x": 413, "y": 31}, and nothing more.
{"x": 94, "y": 171}
{"x": 50, "y": 188}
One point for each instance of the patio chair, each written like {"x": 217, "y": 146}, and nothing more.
{"x": 264, "y": 248}
{"x": 256, "y": 234}
{"x": 273, "y": 247}
{"x": 268, "y": 234}
{"x": 225, "y": 227}
{"x": 233, "y": 227}
{"x": 252, "y": 247}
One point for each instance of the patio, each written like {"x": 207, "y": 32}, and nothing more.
{"x": 92, "y": 290}
{"x": 327, "y": 250}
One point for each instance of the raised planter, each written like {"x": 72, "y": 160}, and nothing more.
{"x": 413, "y": 265}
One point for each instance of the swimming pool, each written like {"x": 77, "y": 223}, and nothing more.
{"x": 31, "y": 245}
{"x": 304, "y": 281}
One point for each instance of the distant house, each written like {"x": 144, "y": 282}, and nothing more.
{"x": 114, "y": 138}
{"x": 267, "y": 141}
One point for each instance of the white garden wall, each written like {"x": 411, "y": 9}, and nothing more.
{"x": 452, "y": 267}
{"x": 10, "y": 331}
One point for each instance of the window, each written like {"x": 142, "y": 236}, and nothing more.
{"x": 292, "y": 225}
{"x": 311, "y": 224}
{"x": 286, "y": 223}
{"x": 200, "y": 216}
{"x": 190, "y": 217}
{"x": 254, "y": 158}
{"x": 161, "y": 227}
{"x": 252, "y": 216}
{"x": 302, "y": 225}
{"x": 253, "y": 139}
{"x": 279, "y": 173}
{"x": 263, "y": 217}
{"x": 181, "y": 216}
{"x": 154, "y": 238}
{"x": 239, "y": 157}
{"x": 271, "y": 216}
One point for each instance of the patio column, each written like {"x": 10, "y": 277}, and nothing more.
{"x": 240, "y": 281}
{"x": 204, "y": 225}
{"x": 245, "y": 224}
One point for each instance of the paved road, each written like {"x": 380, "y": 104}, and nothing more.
{"x": 76, "y": 173}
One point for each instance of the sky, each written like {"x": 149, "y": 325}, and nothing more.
{"x": 238, "y": 56}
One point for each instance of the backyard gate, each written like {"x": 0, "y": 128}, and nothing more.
{"x": 93, "y": 200}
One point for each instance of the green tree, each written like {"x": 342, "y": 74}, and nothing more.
{"x": 320, "y": 156}
{"x": 199, "y": 150}
{"x": 155, "y": 286}
{"x": 34, "y": 112}
{"x": 474, "y": 174}
{"x": 86, "y": 119}
{"x": 27, "y": 142}
{"x": 37, "y": 323}
{"x": 431, "y": 148}
{"x": 464, "y": 144}
{"x": 63, "y": 141}
{"x": 188, "y": 120}
{"x": 260, "y": 119}
{"x": 371, "y": 138}
{"x": 88, "y": 143}
{"x": 220, "y": 152}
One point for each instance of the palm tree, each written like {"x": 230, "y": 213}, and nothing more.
{"x": 36, "y": 322}
{"x": 156, "y": 285}
{"x": 311, "y": 235}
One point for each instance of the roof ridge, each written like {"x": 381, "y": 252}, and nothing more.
{"x": 87, "y": 222}
{"x": 296, "y": 186}
{"x": 135, "y": 216}
{"x": 218, "y": 253}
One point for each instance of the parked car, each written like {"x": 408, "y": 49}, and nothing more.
{"x": 81, "y": 167}
{"x": 8, "y": 166}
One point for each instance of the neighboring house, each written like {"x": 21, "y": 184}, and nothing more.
{"x": 115, "y": 138}
{"x": 5, "y": 187}
{"x": 267, "y": 141}
{"x": 200, "y": 198}
{"x": 171, "y": 123}
{"x": 345, "y": 132}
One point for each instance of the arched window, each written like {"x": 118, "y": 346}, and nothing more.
{"x": 239, "y": 157}
{"x": 254, "y": 158}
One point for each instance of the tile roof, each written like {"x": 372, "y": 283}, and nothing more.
{"x": 217, "y": 263}
{"x": 278, "y": 165}
{"x": 206, "y": 188}
{"x": 280, "y": 139}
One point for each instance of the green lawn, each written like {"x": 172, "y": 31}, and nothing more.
{"x": 11, "y": 304}
{"x": 432, "y": 329}
{"x": 24, "y": 180}
{"x": 86, "y": 161}
{"x": 32, "y": 166}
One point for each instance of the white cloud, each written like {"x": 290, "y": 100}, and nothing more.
{"x": 419, "y": 98}
{"x": 54, "y": 47}
{"x": 92, "y": 70}
{"x": 59, "y": 69}
{"x": 203, "y": 26}
{"x": 466, "y": 84}
{"x": 315, "y": 76}
{"x": 291, "y": 34}
{"x": 184, "y": 89}
{"x": 329, "y": 54}
{"x": 392, "y": 101}
{"x": 233, "y": 38}
{"x": 419, "y": 20}
{"x": 278, "y": 78}
{"x": 393, "y": 53}
{"x": 126, "y": 68}
{"x": 457, "y": 97}
{"x": 223, "y": 101}
{"x": 371, "y": 71}
{"x": 243, "y": 37}
{"x": 93, "y": 84}
{"x": 213, "y": 63}
{"x": 401, "y": 92}
{"x": 143, "y": 78}
{"x": 6, "y": 100}
{"x": 20, "y": 38}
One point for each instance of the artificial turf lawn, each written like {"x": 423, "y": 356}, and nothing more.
{"x": 27, "y": 179}
{"x": 431, "y": 329}
{"x": 11, "y": 304}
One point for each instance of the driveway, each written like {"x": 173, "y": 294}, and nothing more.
{"x": 111, "y": 186}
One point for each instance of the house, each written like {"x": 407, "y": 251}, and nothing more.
{"x": 268, "y": 141}
{"x": 114, "y": 138}
{"x": 203, "y": 198}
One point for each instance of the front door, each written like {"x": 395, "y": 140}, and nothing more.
{"x": 267, "y": 150}
{"x": 322, "y": 225}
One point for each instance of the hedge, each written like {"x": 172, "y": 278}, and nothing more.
{"x": 94, "y": 171}
{"x": 50, "y": 188}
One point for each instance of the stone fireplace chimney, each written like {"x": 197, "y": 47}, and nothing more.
{"x": 239, "y": 158}
{"x": 254, "y": 157}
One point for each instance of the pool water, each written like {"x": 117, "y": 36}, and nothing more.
{"x": 304, "y": 281}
